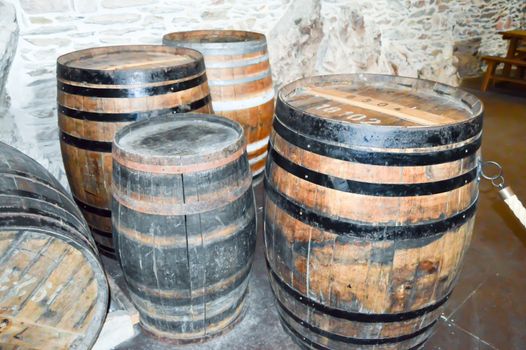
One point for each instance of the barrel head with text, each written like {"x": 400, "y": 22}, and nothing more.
{"x": 100, "y": 90}
{"x": 240, "y": 82}
{"x": 371, "y": 191}
{"x": 184, "y": 223}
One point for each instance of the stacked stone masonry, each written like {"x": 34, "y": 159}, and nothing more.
{"x": 430, "y": 39}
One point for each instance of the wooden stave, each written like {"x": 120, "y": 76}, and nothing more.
{"x": 302, "y": 335}
{"x": 45, "y": 209}
{"x": 148, "y": 299}
{"x": 95, "y": 203}
{"x": 248, "y": 58}
{"x": 140, "y": 297}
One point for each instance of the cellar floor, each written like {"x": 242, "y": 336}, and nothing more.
{"x": 487, "y": 309}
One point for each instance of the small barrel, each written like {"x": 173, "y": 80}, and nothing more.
{"x": 371, "y": 191}
{"x": 53, "y": 293}
{"x": 240, "y": 82}
{"x": 101, "y": 90}
{"x": 184, "y": 223}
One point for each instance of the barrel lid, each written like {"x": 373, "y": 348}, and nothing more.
{"x": 183, "y": 139}
{"x": 218, "y": 42}
{"x": 393, "y": 110}
{"x": 128, "y": 63}
{"x": 63, "y": 284}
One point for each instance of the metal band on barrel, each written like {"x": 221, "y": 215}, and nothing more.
{"x": 351, "y": 340}
{"x": 133, "y": 116}
{"x": 352, "y": 134}
{"x": 93, "y": 210}
{"x": 144, "y": 91}
{"x": 124, "y": 77}
{"x": 354, "y": 316}
{"x": 369, "y": 188}
{"x": 88, "y": 145}
{"x": 376, "y": 232}
{"x": 373, "y": 157}
{"x": 303, "y": 339}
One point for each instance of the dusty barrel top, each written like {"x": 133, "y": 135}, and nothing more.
{"x": 379, "y": 111}
{"x": 187, "y": 140}
{"x": 219, "y": 42}
{"x": 128, "y": 63}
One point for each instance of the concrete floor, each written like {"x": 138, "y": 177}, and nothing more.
{"x": 487, "y": 308}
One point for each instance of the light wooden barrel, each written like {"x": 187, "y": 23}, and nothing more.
{"x": 240, "y": 82}
{"x": 371, "y": 191}
{"x": 101, "y": 90}
{"x": 184, "y": 223}
{"x": 53, "y": 291}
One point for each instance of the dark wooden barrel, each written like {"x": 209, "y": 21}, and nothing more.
{"x": 101, "y": 90}
{"x": 240, "y": 82}
{"x": 371, "y": 190}
{"x": 53, "y": 291}
{"x": 184, "y": 223}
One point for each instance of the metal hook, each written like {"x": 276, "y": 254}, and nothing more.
{"x": 484, "y": 170}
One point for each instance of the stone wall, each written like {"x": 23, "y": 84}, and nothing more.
{"x": 432, "y": 39}
{"x": 8, "y": 43}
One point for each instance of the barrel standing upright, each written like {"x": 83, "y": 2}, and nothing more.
{"x": 101, "y": 90}
{"x": 184, "y": 223}
{"x": 240, "y": 82}
{"x": 53, "y": 293}
{"x": 371, "y": 190}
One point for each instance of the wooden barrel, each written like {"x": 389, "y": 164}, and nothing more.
{"x": 184, "y": 223}
{"x": 240, "y": 82}
{"x": 103, "y": 89}
{"x": 53, "y": 291}
{"x": 371, "y": 190}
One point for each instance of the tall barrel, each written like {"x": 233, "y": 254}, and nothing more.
{"x": 240, "y": 82}
{"x": 371, "y": 190}
{"x": 53, "y": 291}
{"x": 103, "y": 89}
{"x": 184, "y": 223}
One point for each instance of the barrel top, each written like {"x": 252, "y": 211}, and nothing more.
{"x": 188, "y": 136}
{"x": 123, "y": 64}
{"x": 380, "y": 100}
{"x": 126, "y": 57}
{"x": 218, "y": 42}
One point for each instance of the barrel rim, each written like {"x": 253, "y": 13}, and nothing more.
{"x": 128, "y": 76}
{"x": 178, "y": 160}
{"x": 389, "y": 136}
{"x": 253, "y": 41}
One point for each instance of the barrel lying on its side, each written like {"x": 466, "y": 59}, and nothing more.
{"x": 184, "y": 223}
{"x": 103, "y": 89}
{"x": 53, "y": 293}
{"x": 240, "y": 82}
{"x": 371, "y": 190}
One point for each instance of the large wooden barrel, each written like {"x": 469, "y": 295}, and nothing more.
{"x": 103, "y": 89}
{"x": 53, "y": 291}
{"x": 240, "y": 82}
{"x": 371, "y": 190}
{"x": 184, "y": 223}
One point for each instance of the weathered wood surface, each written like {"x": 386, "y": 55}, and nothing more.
{"x": 240, "y": 82}
{"x": 370, "y": 207}
{"x": 100, "y": 91}
{"x": 184, "y": 223}
{"x": 53, "y": 291}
